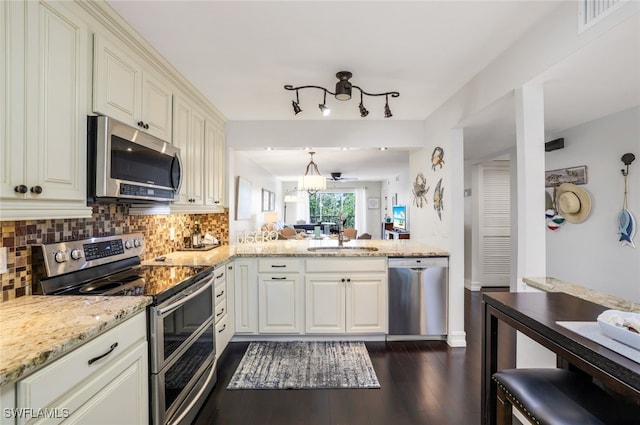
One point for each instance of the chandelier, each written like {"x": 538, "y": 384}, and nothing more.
{"x": 343, "y": 92}
{"x": 312, "y": 181}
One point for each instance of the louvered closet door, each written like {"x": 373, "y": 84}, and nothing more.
{"x": 495, "y": 229}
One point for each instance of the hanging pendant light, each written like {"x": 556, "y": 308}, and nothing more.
{"x": 312, "y": 181}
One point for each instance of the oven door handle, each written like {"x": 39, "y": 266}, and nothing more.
{"x": 196, "y": 398}
{"x": 168, "y": 309}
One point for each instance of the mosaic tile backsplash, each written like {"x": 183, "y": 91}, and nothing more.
{"x": 106, "y": 220}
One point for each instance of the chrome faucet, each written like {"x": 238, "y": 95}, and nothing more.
{"x": 340, "y": 232}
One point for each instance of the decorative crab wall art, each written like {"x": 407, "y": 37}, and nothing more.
{"x": 437, "y": 158}
{"x": 420, "y": 190}
{"x": 437, "y": 198}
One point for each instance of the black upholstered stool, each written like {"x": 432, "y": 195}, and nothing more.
{"x": 559, "y": 397}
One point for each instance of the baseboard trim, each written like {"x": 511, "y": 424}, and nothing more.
{"x": 250, "y": 338}
{"x": 472, "y": 285}
{"x": 457, "y": 339}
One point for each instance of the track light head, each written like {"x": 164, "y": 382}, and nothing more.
{"x": 387, "y": 110}
{"x": 323, "y": 108}
{"x": 363, "y": 110}
{"x": 296, "y": 107}
{"x": 325, "y": 111}
{"x": 296, "y": 104}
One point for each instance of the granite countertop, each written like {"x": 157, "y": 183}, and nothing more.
{"x": 550, "y": 284}
{"x": 298, "y": 248}
{"x": 38, "y": 329}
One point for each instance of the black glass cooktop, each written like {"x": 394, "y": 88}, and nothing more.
{"x": 139, "y": 280}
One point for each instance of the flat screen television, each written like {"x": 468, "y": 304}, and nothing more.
{"x": 399, "y": 217}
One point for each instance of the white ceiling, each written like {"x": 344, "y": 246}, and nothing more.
{"x": 240, "y": 54}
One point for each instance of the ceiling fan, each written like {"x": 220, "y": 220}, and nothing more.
{"x": 337, "y": 177}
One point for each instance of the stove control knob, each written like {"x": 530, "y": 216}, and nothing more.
{"x": 137, "y": 242}
{"x": 76, "y": 254}
{"x": 128, "y": 244}
{"x": 60, "y": 256}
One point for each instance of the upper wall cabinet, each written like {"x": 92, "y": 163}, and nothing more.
{"x": 215, "y": 152}
{"x": 124, "y": 90}
{"x": 43, "y": 87}
{"x": 202, "y": 148}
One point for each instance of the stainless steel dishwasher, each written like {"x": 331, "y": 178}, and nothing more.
{"x": 418, "y": 290}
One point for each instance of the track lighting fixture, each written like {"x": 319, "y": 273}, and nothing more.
{"x": 343, "y": 92}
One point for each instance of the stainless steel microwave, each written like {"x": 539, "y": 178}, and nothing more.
{"x": 127, "y": 165}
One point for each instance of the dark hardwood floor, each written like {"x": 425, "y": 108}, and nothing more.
{"x": 422, "y": 382}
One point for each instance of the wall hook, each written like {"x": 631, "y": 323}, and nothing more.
{"x": 627, "y": 159}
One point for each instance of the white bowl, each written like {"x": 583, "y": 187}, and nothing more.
{"x": 619, "y": 332}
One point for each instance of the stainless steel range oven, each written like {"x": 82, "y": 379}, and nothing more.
{"x": 181, "y": 325}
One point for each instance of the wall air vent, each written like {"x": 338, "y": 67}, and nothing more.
{"x": 593, "y": 11}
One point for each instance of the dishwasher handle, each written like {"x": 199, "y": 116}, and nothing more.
{"x": 418, "y": 262}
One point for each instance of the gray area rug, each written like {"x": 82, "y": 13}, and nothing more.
{"x": 297, "y": 365}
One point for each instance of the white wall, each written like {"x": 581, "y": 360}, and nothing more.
{"x": 260, "y": 179}
{"x": 589, "y": 253}
{"x": 294, "y": 134}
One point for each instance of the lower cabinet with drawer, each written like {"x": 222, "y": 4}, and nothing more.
{"x": 310, "y": 296}
{"x": 351, "y": 298}
{"x": 223, "y": 300}
{"x": 280, "y": 296}
{"x": 105, "y": 381}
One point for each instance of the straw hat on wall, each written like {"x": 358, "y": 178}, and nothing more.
{"x": 573, "y": 202}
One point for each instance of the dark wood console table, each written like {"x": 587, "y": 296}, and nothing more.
{"x": 535, "y": 315}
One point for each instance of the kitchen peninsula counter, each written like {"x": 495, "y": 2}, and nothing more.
{"x": 39, "y": 329}
{"x": 550, "y": 284}
{"x": 299, "y": 248}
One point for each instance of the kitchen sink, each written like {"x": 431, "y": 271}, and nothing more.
{"x": 330, "y": 249}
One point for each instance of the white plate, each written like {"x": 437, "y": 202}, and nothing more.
{"x": 619, "y": 333}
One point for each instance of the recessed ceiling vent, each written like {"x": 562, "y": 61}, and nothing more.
{"x": 593, "y": 11}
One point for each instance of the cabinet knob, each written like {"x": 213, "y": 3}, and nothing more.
{"x": 348, "y": 280}
{"x": 342, "y": 280}
{"x": 140, "y": 124}
{"x": 146, "y": 126}
{"x": 21, "y": 189}
{"x": 36, "y": 189}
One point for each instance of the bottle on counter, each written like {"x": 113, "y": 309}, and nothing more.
{"x": 196, "y": 236}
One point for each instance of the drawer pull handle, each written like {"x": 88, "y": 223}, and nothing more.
{"x": 220, "y": 294}
{"x": 220, "y": 275}
{"x": 223, "y": 328}
{"x": 278, "y": 265}
{"x": 278, "y": 278}
{"x": 221, "y": 313}
{"x": 95, "y": 359}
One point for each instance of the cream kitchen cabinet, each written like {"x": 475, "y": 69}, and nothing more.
{"x": 43, "y": 84}
{"x": 245, "y": 275}
{"x": 215, "y": 166}
{"x": 280, "y": 296}
{"x": 202, "y": 147}
{"x": 125, "y": 90}
{"x": 188, "y": 136}
{"x": 351, "y": 298}
{"x": 222, "y": 300}
{"x": 105, "y": 381}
